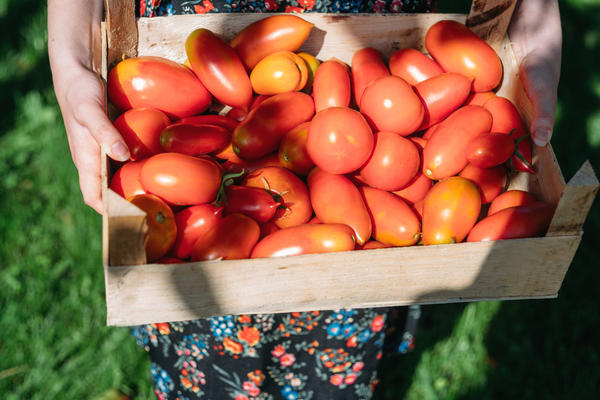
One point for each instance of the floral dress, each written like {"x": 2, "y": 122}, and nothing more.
{"x": 303, "y": 355}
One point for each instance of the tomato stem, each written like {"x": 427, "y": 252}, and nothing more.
{"x": 227, "y": 180}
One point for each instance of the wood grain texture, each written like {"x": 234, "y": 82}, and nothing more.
{"x": 368, "y": 278}
{"x": 489, "y": 19}
{"x": 122, "y": 33}
{"x": 127, "y": 231}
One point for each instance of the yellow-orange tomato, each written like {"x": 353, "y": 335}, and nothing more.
{"x": 393, "y": 221}
{"x": 292, "y": 150}
{"x": 305, "y": 239}
{"x": 279, "y": 72}
{"x": 162, "y": 229}
{"x": 312, "y": 63}
{"x": 450, "y": 210}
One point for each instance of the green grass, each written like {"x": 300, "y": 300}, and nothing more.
{"x": 53, "y": 340}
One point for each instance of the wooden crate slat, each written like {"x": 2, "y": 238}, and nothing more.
{"x": 489, "y": 19}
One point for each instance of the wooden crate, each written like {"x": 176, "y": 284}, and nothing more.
{"x": 138, "y": 293}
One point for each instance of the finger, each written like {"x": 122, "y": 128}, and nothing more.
{"x": 90, "y": 179}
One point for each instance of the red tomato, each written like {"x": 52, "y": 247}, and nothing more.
{"x": 314, "y": 220}
{"x": 416, "y": 190}
{"x": 393, "y": 164}
{"x": 479, "y": 99}
{"x": 513, "y": 223}
{"x": 231, "y": 238}
{"x": 429, "y": 132}
{"x": 194, "y": 139}
{"x": 279, "y": 72}
{"x": 367, "y": 66}
{"x": 157, "y": 83}
{"x": 192, "y": 223}
{"x": 305, "y": 239}
{"x": 445, "y": 153}
{"x": 292, "y": 150}
{"x": 339, "y": 140}
{"x": 490, "y": 181}
{"x": 211, "y": 119}
{"x": 238, "y": 165}
{"x": 170, "y": 260}
{"x": 511, "y": 198}
{"x": 441, "y": 95}
{"x": 418, "y": 208}
{"x": 457, "y": 49}
{"x": 419, "y": 142}
{"x": 141, "y": 128}
{"x": 181, "y": 179}
{"x": 162, "y": 229}
{"x": 219, "y": 68}
{"x": 450, "y": 210}
{"x": 336, "y": 200}
{"x": 268, "y": 35}
{"x": 393, "y": 221}
{"x": 373, "y": 244}
{"x": 490, "y": 149}
{"x": 126, "y": 181}
{"x": 237, "y": 114}
{"x": 267, "y": 228}
{"x": 253, "y": 202}
{"x": 290, "y": 188}
{"x": 413, "y": 66}
{"x": 331, "y": 86}
{"x": 390, "y": 104}
{"x": 506, "y": 119}
{"x": 260, "y": 133}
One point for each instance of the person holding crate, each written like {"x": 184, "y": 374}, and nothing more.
{"x": 318, "y": 354}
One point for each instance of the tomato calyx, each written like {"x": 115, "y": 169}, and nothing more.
{"x": 227, "y": 180}
{"x": 159, "y": 217}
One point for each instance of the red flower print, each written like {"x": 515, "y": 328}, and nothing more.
{"x": 295, "y": 381}
{"x": 249, "y": 334}
{"x": 377, "y": 323}
{"x": 204, "y": 8}
{"x": 278, "y": 351}
{"x": 271, "y": 5}
{"x": 232, "y": 346}
{"x": 379, "y": 6}
{"x": 306, "y": 4}
{"x": 358, "y": 366}
{"x": 336, "y": 379}
{"x": 241, "y": 397}
{"x": 396, "y": 6}
{"x": 351, "y": 342}
{"x": 291, "y": 9}
{"x": 287, "y": 359}
{"x": 328, "y": 364}
{"x": 244, "y": 319}
{"x": 251, "y": 388}
{"x": 257, "y": 377}
{"x": 163, "y": 328}
{"x": 349, "y": 379}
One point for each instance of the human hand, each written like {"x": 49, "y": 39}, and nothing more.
{"x": 536, "y": 38}
{"x": 80, "y": 94}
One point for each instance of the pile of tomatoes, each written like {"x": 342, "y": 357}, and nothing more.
{"x": 317, "y": 157}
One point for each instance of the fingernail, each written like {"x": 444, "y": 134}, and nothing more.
{"x": 119, "y": 152}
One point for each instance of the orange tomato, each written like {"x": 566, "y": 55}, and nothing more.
{"x": 292, "y": 150}
{"x": 267, "y": 228}
{"x": 450, "y": 210}
{"x": 335, "y": 199}
{"x": 413, "y": 66}
{"x": 339, "y": 140}
{"x": 305, "y": 239}
{"x": 457, "y": 49}
{"x": 126, "y": 181}
{"x": 445, "y": 152}
{"x": 510, "y": 198}
{"x": 268, "y": 35}
{"x": 331, "y": 87}
{"x": 312, "y": 63}
{"x": 291, "y": 190}
{"x": 373, "y": 244}
{"x": 159, "y": 83}
{"x": 141, "y": 128}
{"x": 367, "y": 66}
{"x": 390, "y": 104}
{"x": 429, "y": 132}
{"x": 490, "y": 181}
{"x": 219, "y": 68}
{"x": 393, "y": 164}
{"x": 192, "y": 223}
{"x": 416, "y": 190}
{"x": 162, "y": 230}
{"x": 194, "y": 139}
{"x": 279, "y": 72}
{"x": 479, "y": 99}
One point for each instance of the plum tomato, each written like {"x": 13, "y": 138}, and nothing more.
{"x": 429, "y": 132}
{"x": 393, "y": 164}
{"x": 457, "y": 49}
{"x": 373, "y": 244}
{"x": 394, "y": 223}
{"x": 194, "y": 139}
{"x": 193, "y": 222}
{"x": 390, "y": 104}
{"x": 253, "y": 202}
{"x": 268, "y": 35}
{"x": 450, "y": 210}
{"x": 292, "y": 150}
{"x": 490, "y": 181}
{"x": 279, "y": 72}
{"x": 445, "y": 153}
{"x": 335, "y": 199}
{"x": 367, "y": 66}
{"x": 479, "y": 99}
{"x": 511, "y": 198}
{"x": 490, "y": 149}
{"x": 210, "y": 119}
{"x": 331, "y": 87}
{"x": 231, "y": 238}
{"x": 515, "y": 222}
{"x": 236, "y": 165}
{"x": 305, "y": 239}
{"x": 416, "y": 190}
{"x": 181, "y": 179}
{"x": 157, "y": 83}
{"x": 219, "y": 68}
{"x": 267, "y": 228}
{"x": 291, "y": 191}
{"x": 162, "y": 229}
{"x": 413, "y": 66}
{"x": 126, "y": 181}
{"x": 141, "y": 128}
{"x": 339, "y": 140}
